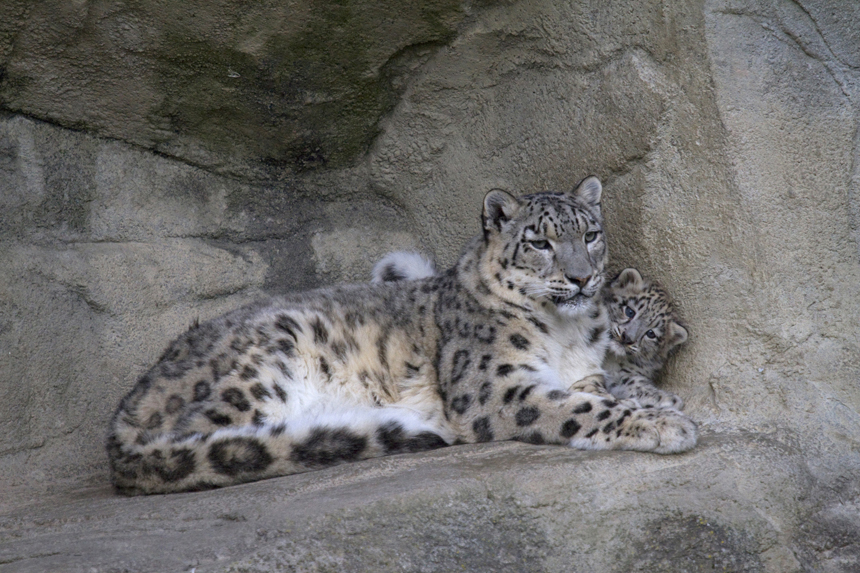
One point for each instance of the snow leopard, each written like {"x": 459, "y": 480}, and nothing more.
{"x": 644, "y": 328}
{"x": 508, "y": 344}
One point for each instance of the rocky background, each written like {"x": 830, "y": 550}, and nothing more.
{"x": 167, "y": 161}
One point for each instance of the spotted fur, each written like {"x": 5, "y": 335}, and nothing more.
{"x": 507, "y": 345}
{"x": 635, "y": 358}
{"x": 645, "y": 330}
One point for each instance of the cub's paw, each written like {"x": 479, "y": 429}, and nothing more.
{"x": 645, "y": 394}
{"x": 594, "y": 384}
{"x": 663, "y": 431}
{"x": 657, "y": 398}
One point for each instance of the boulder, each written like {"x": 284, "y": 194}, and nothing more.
{"x": 160, "y": 164}
{"x": 739, "y": 502}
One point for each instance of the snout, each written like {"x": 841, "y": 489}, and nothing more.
{"x": 586, "y": 284}
{"x": 577, "y": 281}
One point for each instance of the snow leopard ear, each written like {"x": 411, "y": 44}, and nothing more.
{"x": 499, "y": 207}
{"x": 629, "y": 277}
{"x": 589, "y": 191}
{"x": 675, "y": 334}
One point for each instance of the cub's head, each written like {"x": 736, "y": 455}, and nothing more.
{"x": 547, "y": 247}
{"x": 645, "y": 327}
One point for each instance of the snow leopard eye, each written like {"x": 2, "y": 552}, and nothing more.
{"x": 590, "y": 236}
{"x": 540, "y": 245}
{"x": 650, "y": 334}
{"x": 629, "y": 312}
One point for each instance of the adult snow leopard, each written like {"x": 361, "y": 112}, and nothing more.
{"x": 500, "y": 347}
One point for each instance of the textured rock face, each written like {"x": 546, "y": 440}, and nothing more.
{"x": 497, "y": 507}
{"x": 251, "y": 89}
{"x": 163, "y": 163}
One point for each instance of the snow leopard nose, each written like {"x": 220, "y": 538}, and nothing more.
{"x": 578, "y": 281}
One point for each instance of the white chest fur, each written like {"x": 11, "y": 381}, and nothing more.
{"x": 577, "y": 345}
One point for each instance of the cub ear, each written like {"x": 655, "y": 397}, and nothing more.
{"x": 628, "y": 277}
{"x": 499, "y": 207}
{"x": 589, "y": 190}
{"x": 676, "y": 334}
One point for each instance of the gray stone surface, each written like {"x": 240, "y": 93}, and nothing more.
{"x": 730, "y": 505}
{"x": 250, "y": 89}
{"x": 161, "y": 162}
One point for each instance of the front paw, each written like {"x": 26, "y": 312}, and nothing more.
{"x": 663, "y": 431}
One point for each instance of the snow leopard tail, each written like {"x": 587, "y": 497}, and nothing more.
{"x": 402, "y": 266}
{"x": 237, "y": 455}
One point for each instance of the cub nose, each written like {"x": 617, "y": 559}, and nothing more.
{"x": 578, "y": 281}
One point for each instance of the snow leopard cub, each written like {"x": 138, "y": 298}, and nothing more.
{"x": 644, "y": 328}
{"x": 644, "y": 331}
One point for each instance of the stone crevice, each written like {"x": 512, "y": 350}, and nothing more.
{"x": 822, "y": 37}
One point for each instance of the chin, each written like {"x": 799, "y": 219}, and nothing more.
{"x": 577, "y": 304}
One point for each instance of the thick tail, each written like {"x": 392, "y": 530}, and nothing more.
{"x": 402, "y": 266}
{"x": 237, "y": 455}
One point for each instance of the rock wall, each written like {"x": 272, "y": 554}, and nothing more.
{"x": 164, "y": 162}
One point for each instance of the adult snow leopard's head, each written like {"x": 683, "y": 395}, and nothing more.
{"x": 645, "y": 327}
{"x": 547, "y": 247}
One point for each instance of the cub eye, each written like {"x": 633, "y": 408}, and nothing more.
{"x": 650, "y": 334}
{"x": 540, "y": 245}
{"x": 630, "y": 312}
{"x": 590, "y": 236}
